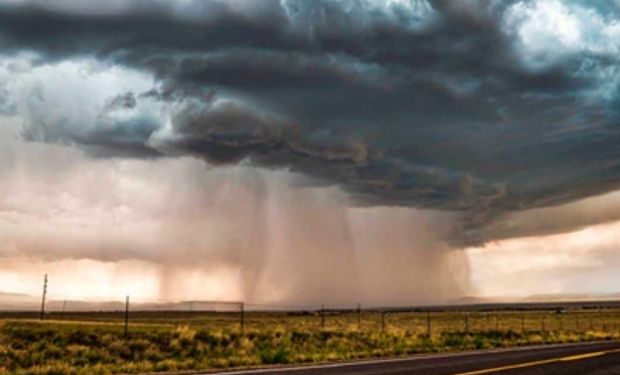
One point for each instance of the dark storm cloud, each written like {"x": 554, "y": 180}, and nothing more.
{"x": 425, "y": 104}
{"x": 6, "y": 107}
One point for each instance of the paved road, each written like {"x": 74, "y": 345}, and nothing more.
{"x": 577, "y": 359}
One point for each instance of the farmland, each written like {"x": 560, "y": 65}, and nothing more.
{"x": 95, "y": 343}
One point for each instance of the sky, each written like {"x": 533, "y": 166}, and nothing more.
{"x": 305, "y": 152}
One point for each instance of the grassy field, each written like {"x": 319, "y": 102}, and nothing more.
{"x": 94, "y": 343}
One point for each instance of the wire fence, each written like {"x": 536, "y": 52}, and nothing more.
{"x": 578, "y": 317}
{"x": 236, "y": 315}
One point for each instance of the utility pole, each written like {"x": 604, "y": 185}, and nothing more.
{"x": 428, "y": 324}
{"x": 242, "y": 321}
{"x": 466, "y": 323}
{"x": 359, "y": 316}
{"x": 126, "y": 315}
{"x": 382, "y": 321}
{"x": 43, "y": 298}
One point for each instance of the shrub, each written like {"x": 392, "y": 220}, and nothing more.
{"x": 274, "y": 356}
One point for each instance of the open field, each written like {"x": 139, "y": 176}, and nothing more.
{"x": 94, "y": 343}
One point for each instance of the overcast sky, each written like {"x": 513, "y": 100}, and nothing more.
{"x": 175, "y": 138}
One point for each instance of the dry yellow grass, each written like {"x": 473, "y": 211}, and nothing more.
{"x": 161, "y": 342}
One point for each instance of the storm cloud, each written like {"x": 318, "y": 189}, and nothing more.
{"x": 481, "y": 107}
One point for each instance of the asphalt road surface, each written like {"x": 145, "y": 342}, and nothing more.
{"x": 573, "y": 359}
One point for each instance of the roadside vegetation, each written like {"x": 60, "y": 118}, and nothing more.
{"x": 161, "y": 342}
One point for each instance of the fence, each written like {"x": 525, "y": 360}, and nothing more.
{"x": 233, "y": 315}
{"x": 541, "y": 317}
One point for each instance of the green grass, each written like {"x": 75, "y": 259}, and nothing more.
{"x": 158, "y": 342}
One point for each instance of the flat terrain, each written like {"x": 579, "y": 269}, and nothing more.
{"x": 568, "y": 359}
{"x": 95, "y": 343}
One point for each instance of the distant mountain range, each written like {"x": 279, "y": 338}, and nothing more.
{"x": 25, "y": 302}
{"x": 576, "y": 297}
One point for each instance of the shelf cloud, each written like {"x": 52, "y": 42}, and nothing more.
{"x": 482, "y": 107}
